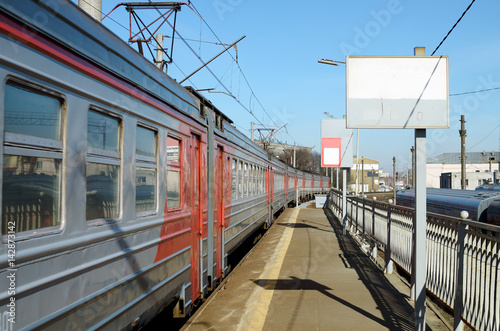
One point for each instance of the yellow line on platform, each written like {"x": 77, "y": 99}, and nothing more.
{"x": 257, "y": 306}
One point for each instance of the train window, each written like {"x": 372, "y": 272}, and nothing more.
{"x": 250, "y": 180}
{"x": 240, "y": 179}
{"x": 254, "y": 180}
{"x": 173, "y": 148}
{"x": 146, "y": 168}
{"x": 31, "y": 183}
{"x": 31, "y": 112}
{"x": 103, "y": 166}
{"x": 227, "y": 178}
{"x": 263, "y": 183}
{"x": 103, "y": 132}
{"x": 257, "y": 180}
{"x": 234, "y": 179}
{"x": 173, "y": 173}
{"x": 173, "y": 189}
{"x": 146, "y": 142}
{"x": 262, "y": 180}
{"x": 30, "y": 196}
{"x": 245, "y": 180}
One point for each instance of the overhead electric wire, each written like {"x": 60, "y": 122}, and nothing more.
{"x": 213, "y": 74}
{"x": 478, "y": 91}
{"x": 480, "y": 141}
{"x": 453, "y": 155}
{"x": 463, "y": 14}
{"x": 242, "y": 73}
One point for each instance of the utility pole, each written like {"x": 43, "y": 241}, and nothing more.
{"x": 294, "y": 155}
{"x": 394, "y": 178}
{"x": 463, "y": 134}
{"x": 92, "y": 7}
{"x": 159, "y": 51}
{"x": 373, "y": 180}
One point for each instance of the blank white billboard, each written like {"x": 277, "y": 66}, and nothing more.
{"x": 397, "y": 92}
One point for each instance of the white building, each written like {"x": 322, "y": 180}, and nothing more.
{"x": 368, "y": 171}
{"x": 453, "y": 180}
{"x": 476, "y": 162}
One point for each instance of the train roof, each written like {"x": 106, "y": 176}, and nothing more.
{"x": 465, "y": 194}
{"x": 488, "y": 187}
{"x": 72, "y": 27}
{"x": 75, "y": 29}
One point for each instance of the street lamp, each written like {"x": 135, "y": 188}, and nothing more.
{"x": 335, "y": 63}
{"x": 331, "y": 116}
{"x": 330, "y": 62}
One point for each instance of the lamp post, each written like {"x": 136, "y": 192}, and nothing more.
{"x": 336, "y": 63}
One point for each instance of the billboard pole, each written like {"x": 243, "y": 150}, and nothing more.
{"x": 344, "y": 201}
{"x": 420, "y": 266}
{"x": 403, "y": 92}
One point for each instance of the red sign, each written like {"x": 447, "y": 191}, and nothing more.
{"x": 330, "y": 152}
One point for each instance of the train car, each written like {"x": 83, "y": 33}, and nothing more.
{"x": 453, "y": 202}
{"x": 488, "y": 187}
{"x": 493, "y": 216}
{"x": 123, "y": 192}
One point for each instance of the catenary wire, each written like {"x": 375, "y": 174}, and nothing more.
{"x": 220, "y": 82}
{"x": 217, "y": 43}
{"x": 478, "y": 91}
{"x": 242, "y": 73}
{"x": 463, "y": 14}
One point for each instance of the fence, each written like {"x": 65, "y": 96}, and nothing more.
{"x": 463, "y": 269}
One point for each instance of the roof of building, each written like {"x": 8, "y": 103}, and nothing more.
{"x": 366, "y": 160}
{"x": 471, "y": 157}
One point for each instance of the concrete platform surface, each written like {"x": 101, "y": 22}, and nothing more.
{"x": 306, "y": 275}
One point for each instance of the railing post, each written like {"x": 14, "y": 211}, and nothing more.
{"x": 344, "y": 202}
{"x": 352, "y": 214}
{"x": 413, "y": 269}
{"x": 458, "y": 324}
{"x": 373, "y": 216}
{"x": 357, "y": 217}
{"x": 388, "y": 262}
{"x": 364, "y": 206}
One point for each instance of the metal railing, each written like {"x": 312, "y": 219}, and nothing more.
{"x": 463, "y": 256}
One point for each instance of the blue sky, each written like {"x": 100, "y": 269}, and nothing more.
{"x": 285, "y": 39}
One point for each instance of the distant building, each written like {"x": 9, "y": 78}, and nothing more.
{"x": 277, "y": 148}
{"x": 476, "y": 162}
{"x": 472, "y": 179}
{"x": 368, "y": 170}
{"x": 285, "y": 152}
{"x": 384, "y": 181}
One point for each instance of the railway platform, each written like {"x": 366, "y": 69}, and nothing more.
{"x": 305, "y": 275}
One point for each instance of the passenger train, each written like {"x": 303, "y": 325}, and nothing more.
{"x": 482, "y": 205}
{"x": 488, "y": 187}
{"x": 123, "y": 192}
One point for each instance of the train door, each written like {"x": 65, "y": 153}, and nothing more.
{"x": 196, "y": 217}
{"x": 221, "y": 182}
